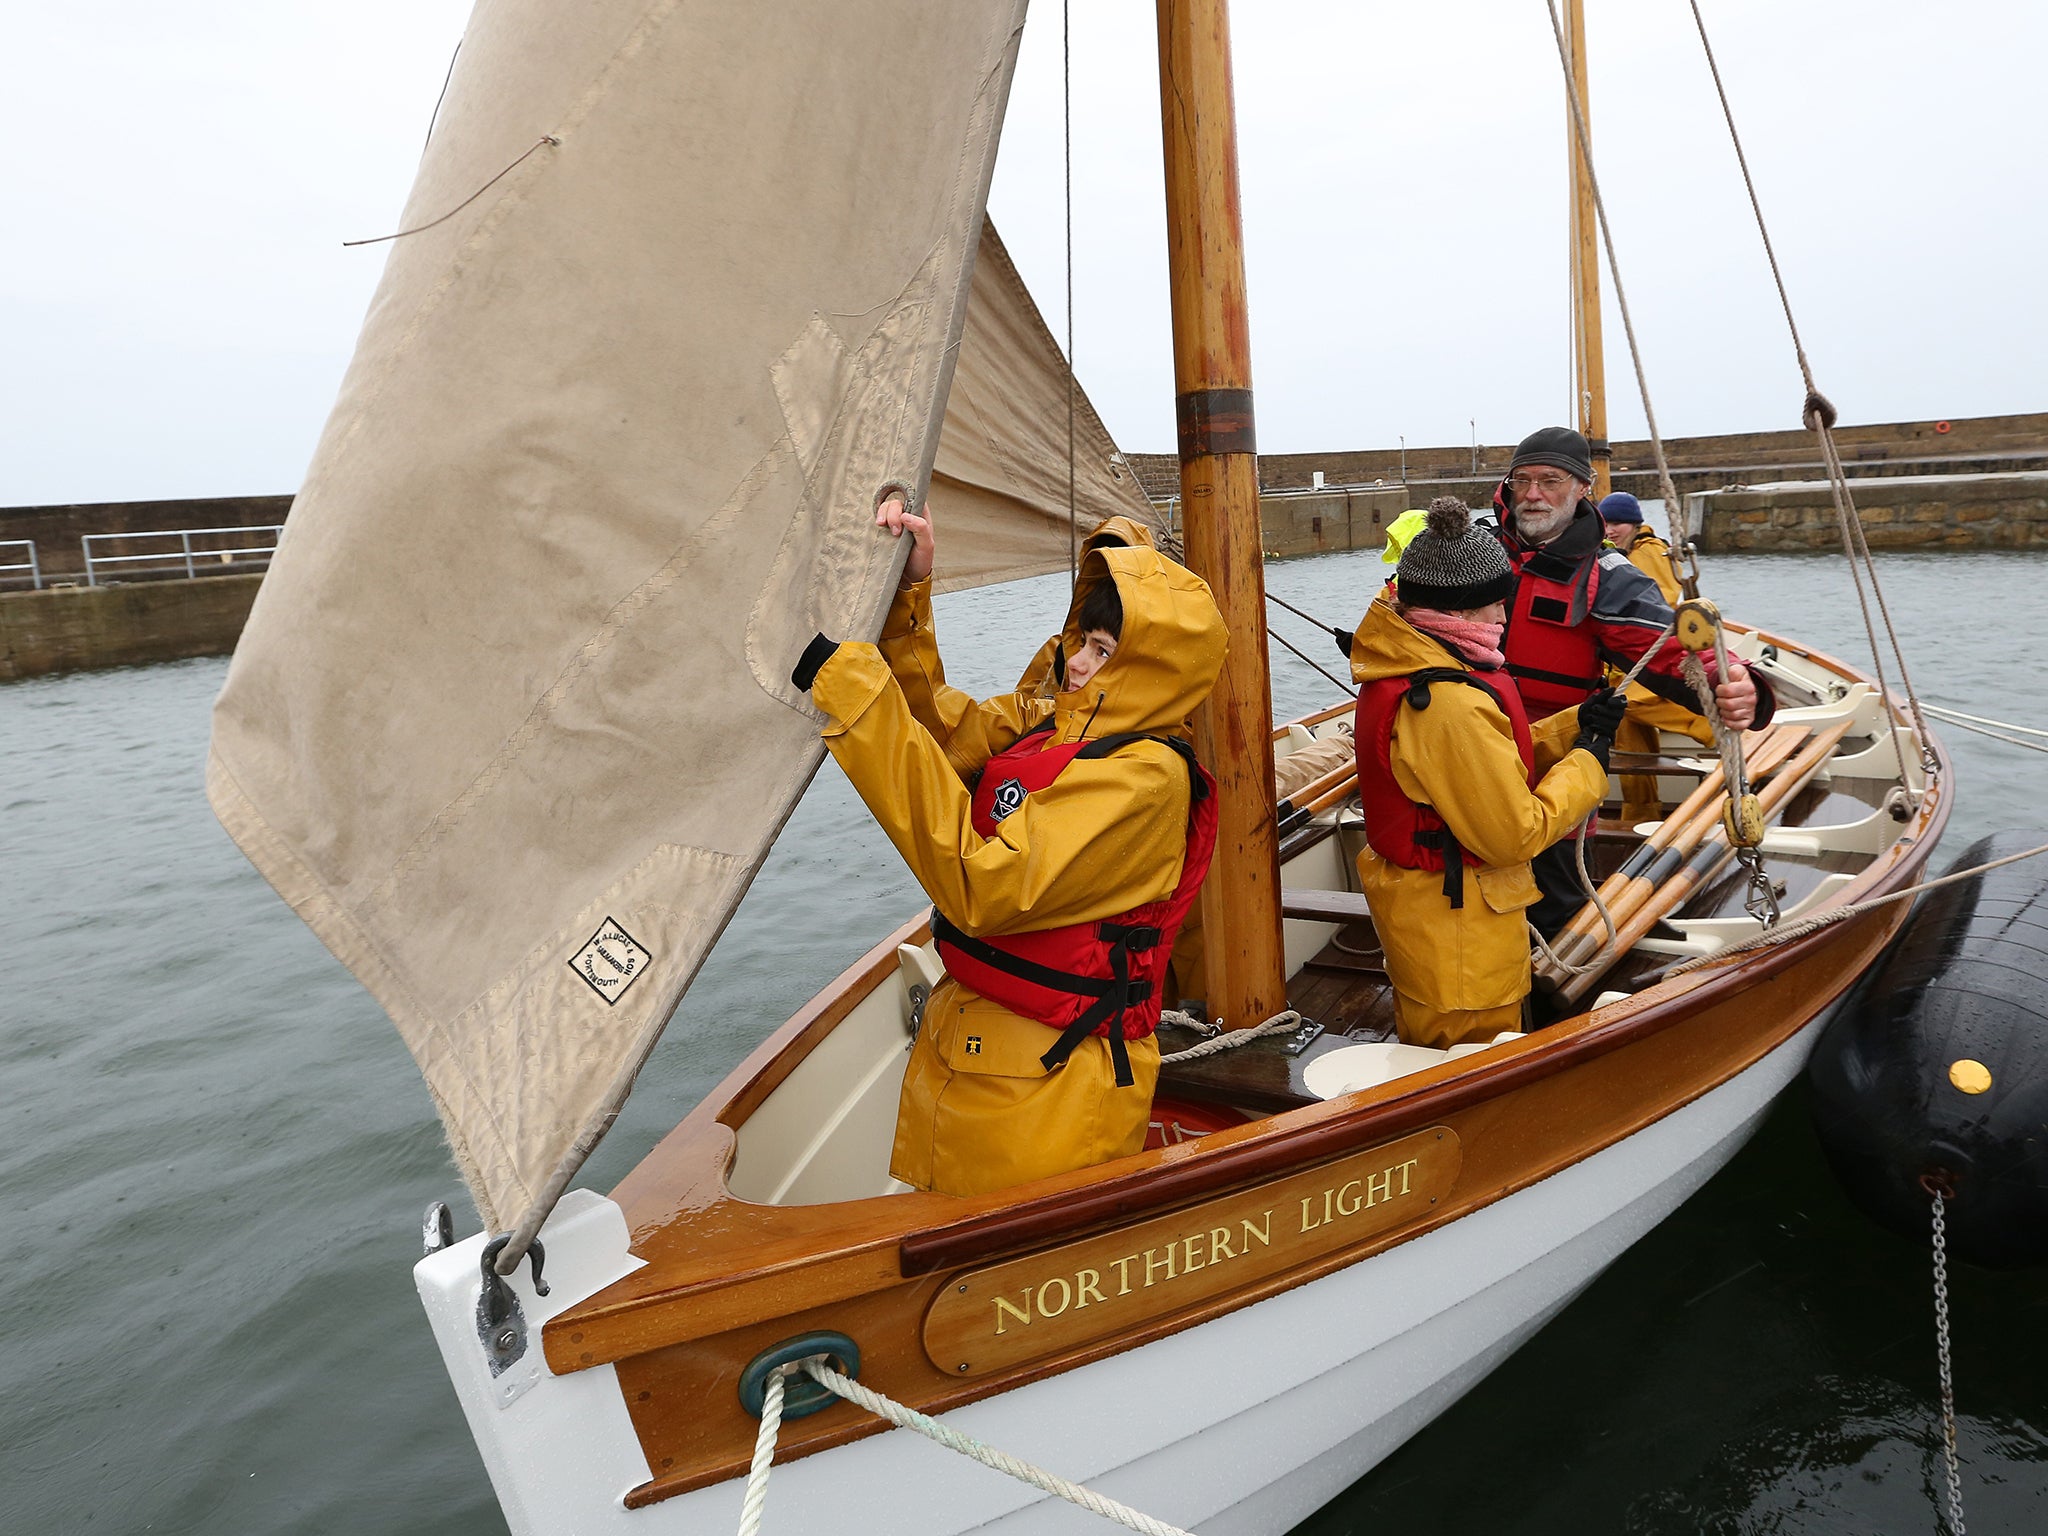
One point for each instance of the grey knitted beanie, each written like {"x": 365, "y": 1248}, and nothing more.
{"x": 1451, "y": 565}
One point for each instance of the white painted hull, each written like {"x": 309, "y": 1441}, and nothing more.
{"x": 1247, "y": 1423}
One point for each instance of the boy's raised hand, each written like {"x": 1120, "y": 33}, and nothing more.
{"x": 894, "y": 514}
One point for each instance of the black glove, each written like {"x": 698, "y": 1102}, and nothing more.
{"x": 1601, "y": 714}
{"x": 1599, "y": 718}
{"x": 815, "y": 655}
{"x": 1344, "y": 638}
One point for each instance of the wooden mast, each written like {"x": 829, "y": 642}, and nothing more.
{"x": 1589, "y": 366}
{"x": 1219, "y": 485}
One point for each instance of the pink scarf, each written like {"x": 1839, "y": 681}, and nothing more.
{"x": 1477, "y": 643}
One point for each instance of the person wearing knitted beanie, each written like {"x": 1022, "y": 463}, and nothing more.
{"x": 1459, "y": 792}
{"x": 1580, "y": 608}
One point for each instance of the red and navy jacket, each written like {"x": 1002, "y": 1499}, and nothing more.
{"x": 1579, "y": 607}
{"x": 1400, "y": 830}
{"x": 1095, "y": 978}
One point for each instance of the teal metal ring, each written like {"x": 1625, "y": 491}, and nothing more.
{"x": 800, "y": 1394}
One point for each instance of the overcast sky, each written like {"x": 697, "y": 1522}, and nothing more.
{"x": 176, "y": 307}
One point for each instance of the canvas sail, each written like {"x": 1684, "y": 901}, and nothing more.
{"x": 511, "y": 724}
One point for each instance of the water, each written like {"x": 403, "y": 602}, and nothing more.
{"x": 214, "y": 1150}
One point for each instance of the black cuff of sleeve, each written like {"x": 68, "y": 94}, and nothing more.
{"x": 1599, "y": 746}
{"x": 815, "y": 655}
{"x": 1343, "y": 638}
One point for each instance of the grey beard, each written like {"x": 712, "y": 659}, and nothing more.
{"x": 1541, "y": 528}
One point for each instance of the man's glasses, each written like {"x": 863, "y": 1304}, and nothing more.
{"x": 1523, "y": 484}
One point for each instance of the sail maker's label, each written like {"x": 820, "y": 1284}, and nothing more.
{"x": 611, "y": 962}
{"x": 1111, "y": 1284}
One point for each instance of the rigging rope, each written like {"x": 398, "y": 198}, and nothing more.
{"x": 909, "y": 1418}
{"x": 1977, "y": 725}
{"x": 1785, "y": 932}
{"x": 1343, "y": 683}
{"x": 420, "y": 229}
{"x": 1067, "y": 147}
{"x": 1820, "y": 415}
{"x": 1672, "y": 505}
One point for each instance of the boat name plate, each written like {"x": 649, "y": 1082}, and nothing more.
{"x": 1067, "y": 1297}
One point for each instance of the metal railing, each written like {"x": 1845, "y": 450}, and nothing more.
{"x": 13, "y": 571}
{"x": 186, "y": 559}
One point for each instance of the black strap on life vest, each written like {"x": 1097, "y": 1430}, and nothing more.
{"x": 1112, "y": 996}
{"x": 1120, "y": 991}
{"x": 1443, "y": 840}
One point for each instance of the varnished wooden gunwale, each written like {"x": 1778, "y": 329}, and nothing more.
{"x": 683, "y": 1399}
{"x": 678, "y": 1331}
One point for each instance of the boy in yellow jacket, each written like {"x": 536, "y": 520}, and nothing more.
{"x": 1071, "y": 853}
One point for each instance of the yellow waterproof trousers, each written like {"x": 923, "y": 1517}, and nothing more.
{"x": 979, "y": 1112}
{"x": 1442, "y": 1028}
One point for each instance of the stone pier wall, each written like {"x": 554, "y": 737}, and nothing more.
{"x": 70, "y": 629}
{"x": 1907, "y": 512}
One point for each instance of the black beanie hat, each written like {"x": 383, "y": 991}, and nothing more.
{"x": 1558, "y": 447}
{"x": 1451, "y": 565}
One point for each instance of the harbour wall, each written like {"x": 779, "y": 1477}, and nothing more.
{"x": 1904, "y": 512}
{"x": 69, "y": 629}
{"x": 1981, "y": 483}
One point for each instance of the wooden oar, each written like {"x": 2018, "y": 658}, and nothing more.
{"x": 1706, "y": 860}
{"x": 1302, "y": 797}
{"x": 1647, "y": 875}
{"x": 1624, "y": 889}
{"x": 1334, "y": 793}
{"x": 1770, "y": 752}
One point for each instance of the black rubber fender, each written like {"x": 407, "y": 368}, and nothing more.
{"x": 1966, "y": 983}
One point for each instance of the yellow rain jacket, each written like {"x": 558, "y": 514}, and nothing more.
{"x": 978, "y": 1111}
{"x": 1461, "y": 974}
{"x": 910, "y": 644}
{"x": 1647, "y": 713}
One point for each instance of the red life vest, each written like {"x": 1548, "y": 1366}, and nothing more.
{"x": 1102, "y": 977}
{"x": 1553, "y": 653}
{"x": 1401, "y": 831}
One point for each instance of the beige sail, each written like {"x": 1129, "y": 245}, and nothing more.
{"x": 999, "y": 486}
{"x": 511, "y": 725}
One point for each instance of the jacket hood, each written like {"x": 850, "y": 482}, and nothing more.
{"x": 1387, "y": 645}
{"x": 1047, "y": 669}
{"x": 1168, "y": 655}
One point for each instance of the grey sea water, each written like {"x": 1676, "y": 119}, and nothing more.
{"x": 214, "y": 1152}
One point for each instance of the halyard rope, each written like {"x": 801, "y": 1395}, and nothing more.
{"x": 1672, "y": 505}
{"x": 1600, "y": 957}
{"x": 909, "y": 1418}
{"x": 1819, "y": 414}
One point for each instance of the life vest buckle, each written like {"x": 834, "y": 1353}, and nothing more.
{"x": 1136, "y": 938}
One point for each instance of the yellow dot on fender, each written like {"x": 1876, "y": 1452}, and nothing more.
{"x": 1970, "y": 1076}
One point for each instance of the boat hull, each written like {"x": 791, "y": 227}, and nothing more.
{"x": 1246, "y": 1423}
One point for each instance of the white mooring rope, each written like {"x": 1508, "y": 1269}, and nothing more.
{"x": 909, "y": 1418}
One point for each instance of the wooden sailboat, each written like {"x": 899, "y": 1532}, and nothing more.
{"x": 1223, "y": 1331}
